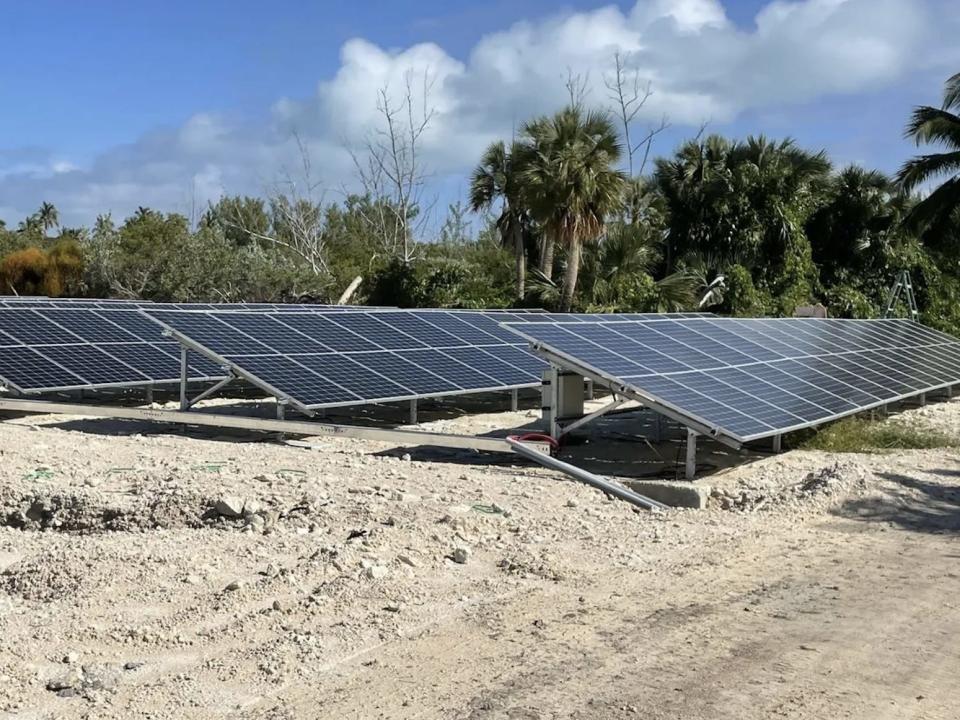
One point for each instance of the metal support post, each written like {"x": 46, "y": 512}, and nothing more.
{"x": 184, "y": 376}
{"x": 281, "y": 415}
{"x": 589, "y": 389}
{"x": 550, "y": 401}
{"x": 413, "y": 411}
{"x": 657, "y": 427}
{"x": 922, "y": 400}
{"x": 149, "y": 397}
{"x": 691, "y": 466}
{"x": 948, "y": 391}
{"x": 777, "y": 443}
{"x": 514, "y": 400}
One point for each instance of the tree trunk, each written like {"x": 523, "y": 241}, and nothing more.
{"x": 520, "y": 252}
{"x": 546, "y": 255}
{"x": 571, "y": 273}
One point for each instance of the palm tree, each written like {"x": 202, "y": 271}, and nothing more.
{"x": 48, "y": 217}
{"x": 498, "y": 176}
{"x": 936, "y": 126}
{"x": 572, "y": 184}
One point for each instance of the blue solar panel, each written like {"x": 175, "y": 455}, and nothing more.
{"x": 375, "y": 356}
{"x": 55, "y": 347}
{"x": 751, "y": 378}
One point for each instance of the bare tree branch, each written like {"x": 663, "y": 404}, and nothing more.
{"x": 630, "y": 94}
{"x": 297, "y": 209}
{"x": 390, "y": 169}
{"x": 577, "y": 87}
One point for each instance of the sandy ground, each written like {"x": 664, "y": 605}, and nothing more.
{"x": 171, "y": 575}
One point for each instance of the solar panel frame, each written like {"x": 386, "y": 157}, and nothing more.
{"x": 803, "y": 375}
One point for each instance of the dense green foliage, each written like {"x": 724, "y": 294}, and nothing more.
{"x": 746, "y": 227}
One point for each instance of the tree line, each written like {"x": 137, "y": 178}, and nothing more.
{"x": 566, "y": 216}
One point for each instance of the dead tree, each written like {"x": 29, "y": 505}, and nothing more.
{"x": 630, "y": 94}
{"x": 390, "y": 169}
{"x": 296, "y": 206}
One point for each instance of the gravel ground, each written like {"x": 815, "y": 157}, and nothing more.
{"x": 170, "y": 575}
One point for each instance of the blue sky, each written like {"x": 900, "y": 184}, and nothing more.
{"x": 109, "y": 105}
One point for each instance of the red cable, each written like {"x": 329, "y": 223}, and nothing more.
{"x": 554, "y": 445}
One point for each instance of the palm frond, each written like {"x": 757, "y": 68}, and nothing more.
{"x": 918, "y": 170}
{"x": 934, "y": 125}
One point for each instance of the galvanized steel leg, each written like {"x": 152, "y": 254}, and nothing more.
{"x": 184, "y": 376}
{"x": 922, "y": 400}
{"x": 514, "y": 400}
{"x": 948, "y": 391}
{"x": 413, "y": 412}
{"x": 777, "y": 443}
{"x": 149, "y": 397}
{"x": 589, "y": 389}
{"x": 691, "y": 467}
{"x": 657, "y": 427}
{"x": 550, "y": 402}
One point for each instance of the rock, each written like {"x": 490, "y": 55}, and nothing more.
{"x": 407, "y": 560}
{"x": 73, "y": 678}
{"x": 102, "y": 677}
{"x": 133, "y": 665}
{"x": 460, "y": 555}
{"x": 277, "y": 605}
{"x": 406, "y": 457}
{"x": 377, "y": 572}
{"x": 571, "y": 503}
{"x": 229, "y": 506}
{"x": 71, "y": 657}
{"x": 394, "y": 607}
{"x": 235, "y": 585}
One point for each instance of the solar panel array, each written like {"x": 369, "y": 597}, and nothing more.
{"x": 753, "y": 378}
{"x": 50, "y": 348}
{"x": 320, "y": 360}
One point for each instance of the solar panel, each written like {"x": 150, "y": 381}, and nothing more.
{"x": 53, "y": 347}
{"x": 315, "y": 359}
{"x": 751, "y": 378}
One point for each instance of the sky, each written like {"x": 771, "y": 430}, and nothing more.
{"x": 109, "y": 105}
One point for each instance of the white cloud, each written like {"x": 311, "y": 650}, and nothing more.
{"x": 701, "y": 66}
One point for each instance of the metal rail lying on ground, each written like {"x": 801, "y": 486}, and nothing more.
{"x": 290, "y": 427}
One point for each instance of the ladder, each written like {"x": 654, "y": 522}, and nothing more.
{"x": 902, "y": 285}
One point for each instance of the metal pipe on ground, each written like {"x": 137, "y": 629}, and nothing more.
{"x": 586, "y": 477}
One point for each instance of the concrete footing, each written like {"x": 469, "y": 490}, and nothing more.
{"x": 671, "y": 492}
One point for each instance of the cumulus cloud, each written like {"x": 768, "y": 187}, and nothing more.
{"x": 700, "y": 64}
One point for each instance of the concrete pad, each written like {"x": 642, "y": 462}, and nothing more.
{"x": 674, "y": 493}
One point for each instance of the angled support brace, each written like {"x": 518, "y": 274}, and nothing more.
{"x": 617, "y": 402}
{"x": 206, "y": 393}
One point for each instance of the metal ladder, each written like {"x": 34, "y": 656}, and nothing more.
{"x": 902, "y": 285}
